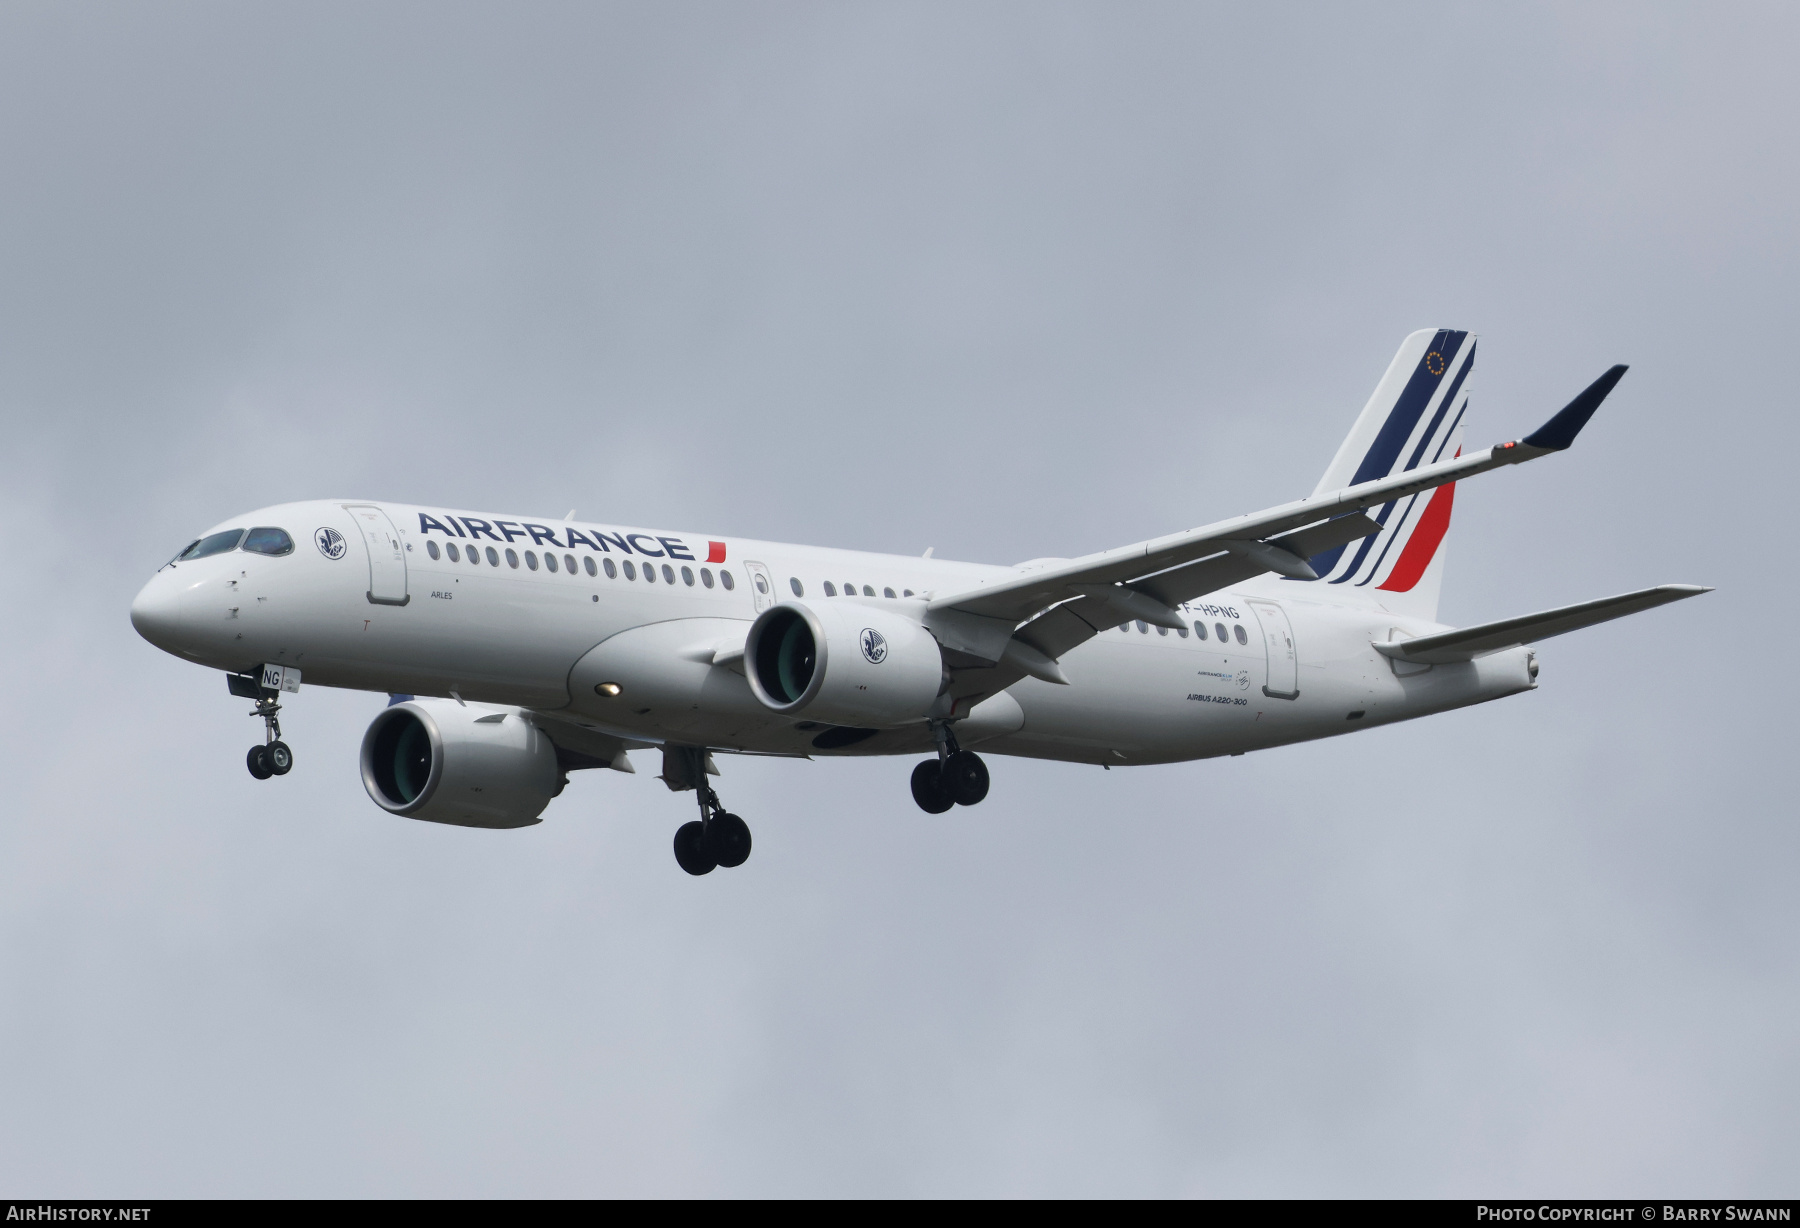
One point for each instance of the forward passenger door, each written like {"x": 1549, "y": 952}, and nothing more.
{"x": 387, "y": 554}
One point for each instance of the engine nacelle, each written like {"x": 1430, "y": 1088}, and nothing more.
{"x": 843, "y": 662}
{"x": 474, "y": 766}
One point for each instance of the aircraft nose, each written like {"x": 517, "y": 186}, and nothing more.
{"x": 156, "y": 611}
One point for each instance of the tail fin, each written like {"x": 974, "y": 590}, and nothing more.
{"x": 1415, "y": 417}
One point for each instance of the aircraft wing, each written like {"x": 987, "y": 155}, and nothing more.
{"x": 1067, "y": 625}
{"x": 581, "y": 744}
{"x": 1146, "y": 579}
{"x": 1467, "y": 643}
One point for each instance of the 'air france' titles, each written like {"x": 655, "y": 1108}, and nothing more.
{"x": 507, "y": 531}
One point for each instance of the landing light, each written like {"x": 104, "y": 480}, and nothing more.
{"x": 608, "y": 689}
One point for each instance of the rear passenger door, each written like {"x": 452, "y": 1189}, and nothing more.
{"x": 1278, "y": 638}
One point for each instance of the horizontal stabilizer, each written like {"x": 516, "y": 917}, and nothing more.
{"x": 1467, "y": 643}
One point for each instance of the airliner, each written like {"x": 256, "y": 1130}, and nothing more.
{"x": 515, "y": 650}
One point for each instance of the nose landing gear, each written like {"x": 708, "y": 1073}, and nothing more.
{"x": 957, "y": 777}
{"x": 274, "y": 757}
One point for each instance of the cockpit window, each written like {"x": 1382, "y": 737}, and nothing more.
{"x": 268, "y": 541}
{"x": 217, "y": 543}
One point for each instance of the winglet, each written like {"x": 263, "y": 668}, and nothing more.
{"x": 1560, "y": 431}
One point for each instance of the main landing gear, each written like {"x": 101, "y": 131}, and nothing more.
{"x": 716, "y": 838}
{"x": 956, "y": 777}
{"x": 273, "y": 757}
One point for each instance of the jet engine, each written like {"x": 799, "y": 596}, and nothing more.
{"x": 846, "y": 663}
{"x": 473, "y": 765}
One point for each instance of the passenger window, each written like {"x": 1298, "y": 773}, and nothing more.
{"x": 830, "y": 589}
{"x": 271, "y": 541}
{"x": 1199, "y": 631}
{"x": 799, "y": 588}
{"x": 1181, "y": 631}
{"x": 906, "y": 592}
{"x": 762, "y": 585}
{"x": 649, "y": 573}
{"x": 1162, "y": 630}
{"x": 687, "y": 576}
{"x": 867, "y": 591}
{"x": 706, "y": 576}
{"x": 512, "y": 558}
{"x": 549, "y": 561}
{"x": 530, "y": 559}
{"x": 431, "y": 549}
{"x": 1224, "y": 635}
{"x": 669, "y": 574}
{"x": 849, "y": 590}
{"x": 451, "y": 550}
{"x": 587, "y": 565}
{"x": 1238, "y": 630}
{"x": 218, "y": 543}
{"x": 887, "y": 592}
{"x": 612, "y": 572}
{"x": 493, "y": 558}
{"x": 630, "y": 571}
{"x": 1125, "y": 627}
{"x": 1143, "y": 627}
{"x": 727, "y": 581}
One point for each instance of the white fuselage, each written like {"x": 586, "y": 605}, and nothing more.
{"x": 413, "y": 621}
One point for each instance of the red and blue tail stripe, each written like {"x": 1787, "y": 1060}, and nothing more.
{"x": 1415, "y": 418}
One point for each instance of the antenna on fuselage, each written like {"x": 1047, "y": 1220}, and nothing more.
{"x": 571, "y": 514}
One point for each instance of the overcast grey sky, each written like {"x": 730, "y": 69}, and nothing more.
{"x": 1004, "y": 280}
